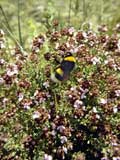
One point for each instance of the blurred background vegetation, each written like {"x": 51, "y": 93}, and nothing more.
{"x": 36, "y": 16}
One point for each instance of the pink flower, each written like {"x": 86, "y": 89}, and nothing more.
{"x": 61, "y": 128}
{"x": 47, "y": 157}
{"x": 2, "y": 61}
{"x": 63, "y": 139}
{"x": 95, "y": 60}
{"x": 1, "y": 80}
{"x": 20, "y": 97}
{"x": 103, "y": 101}
{"x": 78, "y": 103}
{"x": 71, "y": 30}
{"x": 117, "y": 92}
{"x": 12, "y": 70}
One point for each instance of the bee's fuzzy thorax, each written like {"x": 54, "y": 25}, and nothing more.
{"x": 62, "y": 72}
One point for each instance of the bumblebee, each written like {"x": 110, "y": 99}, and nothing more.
{"x": 68, "y": 63}
{"x": 62, "y": 72}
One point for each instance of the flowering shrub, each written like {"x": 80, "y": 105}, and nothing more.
{"x": 77, "y": 119}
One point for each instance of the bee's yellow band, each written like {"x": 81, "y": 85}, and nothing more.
{"x": 59, "y": 71}
{"x": 54, "y": 79}
{"x": 70, "y": 58}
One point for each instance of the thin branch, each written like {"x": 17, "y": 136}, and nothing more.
{"x": 84, "y": 10}
{"x": 76, "y": 6}
{"x": 102, "y": 10}
{"x": 12, "y": 37}
{"x": 6, "y": 19}
{"x": 19, "y": 25}
{"x": 69, "y": 15}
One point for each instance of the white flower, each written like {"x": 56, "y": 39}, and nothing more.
{"x": 83, "y": 95}
{"x": 41, "y": 100}
{"x": 56, "y": 45}
{"x": 115, "y": 144}
{"x": 95, "y": 60}
{"x": 20, "y": 97}
{"x": 116, "y": 158}
{"x": 48, "y": 95}
{"x": 103, "y": 101}
{"x": 118, "y": 44}
{"x": 94, "y": 110}
{"x": 70, "y": 96}
{"x": 25, "y": 53}
{"x": 47, "y": 157}
{"x": 1, "y": 80}
{"x": 49, "y": 116}
{"x": 84, "y": 34}
{"x": 75, "y": 50}
{"x": 97, "y": 116}
{"x": 118, "y": 68}
{"x": 84, "y": 108}
{"x": 84, "y": 90}
{"x": 52, "y": 103}
{"x": 106, "y": 62}
{"x": 26, "y": 106}
{"x": 118, "y": 25}
{"x": 71, "y": 30}
{"x": 53, "y": 132}
{"x": 5, "y": 100}
{"x": 78, "y": 103}
{"x": 61, "y": 128}
{"x": 117, "y": 92}
{"x": 106, "y": 53}
{"x": 91, "y": 43}
{"x": 12, "y": 71}
{"x": 2, "y": 32}
{"x": 36, "y": 115}
{"x": 68, "y": 45}
{"x": 40, "y": 40}
{"x": 73, "y": 88}
{"x": 115, "y": 109}
{"x": 114, "y": 67}
{"x": 63, "y": 139}
{"x": 2, "y": 45}
{"x": 46, "y": 84}
{"x": 2, "y": 61}
{"x": 36, "y": 92}
{"x": 64, "y": 149}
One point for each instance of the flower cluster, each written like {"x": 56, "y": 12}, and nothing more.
{"x": 76, "y": 119}
{"x": 37, "y": 43}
